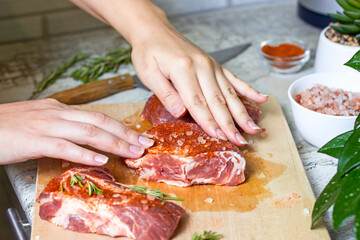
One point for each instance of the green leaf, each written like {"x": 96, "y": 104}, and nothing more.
{"x": 350, "y": 29}
{"x": 207, "y": 235}
{"x": 353, "y": 3}
{"x": 350, "y": 156}
{"x": 354, "y": 62}
{"x": 357, "y": 121}
{"x": 335, "y": 146}
{"x": 341, "y": 18}
{"x": 327, "y": 197}
{"x": 348, "y": 201}
{"x": 346, "y": 6}
{"x": 352, "y": 14}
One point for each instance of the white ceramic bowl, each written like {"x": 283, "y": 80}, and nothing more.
{"x": 331, "y": 56}
{"x": 318, "y": 128}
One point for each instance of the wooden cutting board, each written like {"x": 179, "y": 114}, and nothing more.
{"x": 273, "y": 203}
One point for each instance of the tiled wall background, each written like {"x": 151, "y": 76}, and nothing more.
{"x": 33, "y": 19}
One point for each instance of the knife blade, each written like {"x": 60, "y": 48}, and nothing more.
{"x": 103, "y": 88}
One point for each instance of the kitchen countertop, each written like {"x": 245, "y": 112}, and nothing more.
{"x": 21, "y": 63}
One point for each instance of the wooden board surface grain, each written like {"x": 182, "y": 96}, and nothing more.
{"x": 273, "y": 203}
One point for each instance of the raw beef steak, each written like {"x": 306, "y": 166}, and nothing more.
{"x": 155, "y": 112}
{"x": 184, "y": 155}
{"x": 117, "y": 211}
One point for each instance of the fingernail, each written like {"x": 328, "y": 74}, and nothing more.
{"x": 101, "y": 159}
{"x": 178, "y": 110}
{"x": 146, "y": 141}
{"x": 264, "y": 95}
{"x": 220, "y": 134}
{"x": 136, "y": 150}
{"x": 240, "y": 138}
{"x": 253, "y": 125}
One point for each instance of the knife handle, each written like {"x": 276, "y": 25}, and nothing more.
{"x": 95, "y": 90}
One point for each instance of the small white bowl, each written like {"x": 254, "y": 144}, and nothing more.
{"x": 318, "y": 128}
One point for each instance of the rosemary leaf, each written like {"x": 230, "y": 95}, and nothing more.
{"x": 154, "y": 192}
{"x": 58, "y": 73}
{"x": 93, "y": 188}
{"x": 61, "y": 187}
{"x": 207, "y": 235}
{"x": 95, "y": 67}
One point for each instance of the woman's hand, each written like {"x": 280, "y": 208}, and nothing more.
{"x": 178, "y": 72}
{"x": 47, "y": 128}
{"x": 200, "y": 84}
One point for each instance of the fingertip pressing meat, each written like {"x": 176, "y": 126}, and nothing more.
{"x": 110, "y": 209}
{"x": 155, "y": 112}
{"x": 184, "y": 155}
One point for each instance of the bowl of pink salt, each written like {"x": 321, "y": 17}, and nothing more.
{"x": 325, "y": 105}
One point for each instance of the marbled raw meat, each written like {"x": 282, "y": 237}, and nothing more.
{"x": 155, "y": 112}
{"x": 117, "y": 212}
{"x": 184, "y": 155}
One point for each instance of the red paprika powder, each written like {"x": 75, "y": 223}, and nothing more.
{"x": 283, "y": 50}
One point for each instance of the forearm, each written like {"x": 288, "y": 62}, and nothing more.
{"x": 133, "y": 19}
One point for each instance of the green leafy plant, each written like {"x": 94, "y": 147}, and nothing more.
{"x": 207, "y": 235}
{"x": 343, "y": 190}
{"x": 354, "y": 62}
{"x": 349, "y": 19}
{"x": 91, "y": 70}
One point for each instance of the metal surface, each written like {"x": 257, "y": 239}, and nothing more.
{"x": 20, "y": 227}
{"x": 221, "y": 56}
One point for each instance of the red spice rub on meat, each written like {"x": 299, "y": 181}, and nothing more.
{"x": 184, "y": 155}
{"x": 118, "y": 211}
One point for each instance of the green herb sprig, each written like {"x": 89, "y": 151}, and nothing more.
{"x": 207, "y": 235}
{"x": 97, "y": 66}
{"x": 93, "y": 189}
{"x": 90, "y": 71}
{"x": 58, "y": 73}
{"x": 76, "y": 179}
{"x": 343, "y": 190}
{"x": 154, "y": 192}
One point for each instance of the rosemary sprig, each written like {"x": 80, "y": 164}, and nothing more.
{"x": 61, "y": 187}
{"x": 154, "y": 192}
{"x": 93, "y": 188}
{"x": 207, "y": 235}
{"x": 58, "y": 73}
{"x": 97, "y": 66}
{"x": 75, "y": 179}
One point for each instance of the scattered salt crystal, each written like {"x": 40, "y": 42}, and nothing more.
{"x": 263, "y": 134}
{"x": 138, "y": 126}
{"x": 116, "y": 195}
{"x": 144, "y": 201}
{"x": 189, "y": 133}
{"x": 262, "y": 175}
{"x": 174, "y": 135}
{"x": 65, "y": 164}
{"x": 245, "y": 151}
{"x": 180, "y": 143}
{"x": 150, "y": 197}
{"x": 209, "y": 200}
{"x": 306, "y": 211}
{"x": 28, "y": 178}
{"x": 223, "y": 148}
{"x": 171, "y": 194}
{"x": 295, "y": 195}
